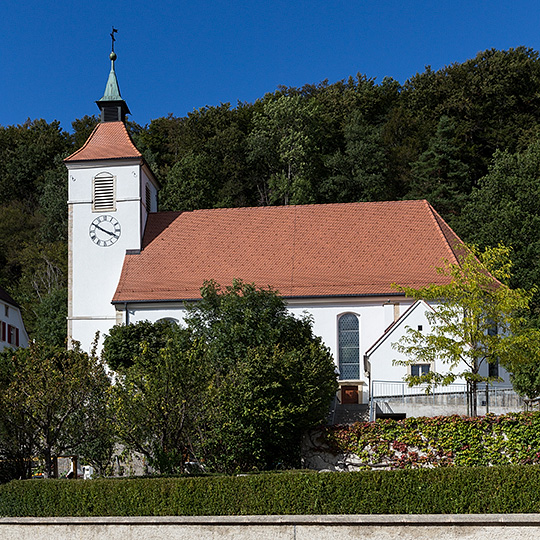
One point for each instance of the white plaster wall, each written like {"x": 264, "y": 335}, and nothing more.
{"x": 95, "y": 269}
{"x": 147, "y": 180}
{"x": 383, "y": 355}
{"x": 372, "y": 312}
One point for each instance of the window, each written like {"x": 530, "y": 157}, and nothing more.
{"x": 349, "y": 347}
{"x": 104, "y": 192}
{"x": 419, "y": 369}
{"x": 169, "y": 319}
{"x": 148, "y": 197}
{"x": 12, "y": 335}
{"x": 3, "y": 331}
{"x": 6, "y": 310}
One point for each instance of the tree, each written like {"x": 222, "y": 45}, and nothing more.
{"x": 52, "y": 399}
{"x": 504, "y": 208}
{"x": 125, "y": 343}
{"x": 270, "y": 377}
{"x": 476, "y": 319}
{"x": 439, "y": 174}
{"x": 158, "y": 399}
{"x": 283, "y": 142}
{"x": 359, "y": 173}
{"x": 234, "y": 389}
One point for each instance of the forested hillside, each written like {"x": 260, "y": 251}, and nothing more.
{"x": 466, "y": 137}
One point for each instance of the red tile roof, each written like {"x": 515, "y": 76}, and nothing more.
{"x": 311, "y": 250}
{"x": 109, "y": 140}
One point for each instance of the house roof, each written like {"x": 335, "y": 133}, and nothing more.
{"x": 109, "y": 140}
{"x": 5, "y": 297}
{"x": 354, "y": 249}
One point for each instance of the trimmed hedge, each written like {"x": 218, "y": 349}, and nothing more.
{"x": 419, "y": 491}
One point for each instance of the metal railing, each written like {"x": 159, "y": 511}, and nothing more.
{"x": 383, "y": 389}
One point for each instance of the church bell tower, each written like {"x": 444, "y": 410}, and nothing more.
{"x": 111, "y": 192}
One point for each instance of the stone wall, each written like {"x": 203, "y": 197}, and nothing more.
{"x": 344, "y": 527}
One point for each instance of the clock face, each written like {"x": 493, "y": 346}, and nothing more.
{"x": 104, "y": 231}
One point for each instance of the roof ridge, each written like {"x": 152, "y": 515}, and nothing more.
{"x": 439, "y": 221}
{"x": 84, "y": 145}
{"x": 294, "y": 206}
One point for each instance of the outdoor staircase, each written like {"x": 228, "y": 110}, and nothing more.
{"x": 349, "y": 413}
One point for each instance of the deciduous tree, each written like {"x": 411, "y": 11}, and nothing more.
{"x": 476, "y": 319}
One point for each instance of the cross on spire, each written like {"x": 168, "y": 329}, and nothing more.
{"x": 114, "y": 31}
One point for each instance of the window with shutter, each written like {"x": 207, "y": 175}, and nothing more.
{"x": 148, "y": 199}
{"x": 104, "y": 192}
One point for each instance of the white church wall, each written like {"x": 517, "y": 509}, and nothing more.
{"x": 372, "y": 314}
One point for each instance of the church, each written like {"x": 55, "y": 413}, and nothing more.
{"x": 337, "y": 262}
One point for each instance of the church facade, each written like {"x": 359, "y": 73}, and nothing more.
{"x": 336, "y": 262}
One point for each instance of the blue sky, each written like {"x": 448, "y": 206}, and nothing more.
{"x": 176, "y": 56}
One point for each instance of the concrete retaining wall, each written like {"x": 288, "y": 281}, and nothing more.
{"x": 342, "y": 527}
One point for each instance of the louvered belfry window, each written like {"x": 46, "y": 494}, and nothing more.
{"x": 104, "y": 192}
{"x": 148, "y": 199}
{"x": 349, "y": 347}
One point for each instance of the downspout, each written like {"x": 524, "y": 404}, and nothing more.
{"x": 367, "y": 369}
{"x": 127, "y": 312}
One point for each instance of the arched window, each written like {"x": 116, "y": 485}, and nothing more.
{"x": 349, "y": 347}
{"x": 169, "y": 319}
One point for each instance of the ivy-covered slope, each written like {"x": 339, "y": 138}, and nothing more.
{"x": 442, "y": 441}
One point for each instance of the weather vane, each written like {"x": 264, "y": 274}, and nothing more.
{"x": 114, "y": 30}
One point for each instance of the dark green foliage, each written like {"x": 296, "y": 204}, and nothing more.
{"x": 505, "y": 208}
{"x": 82, "y": 128}
{"x": 525, "y": 378}
{"x": 270, "y": 378}
{"x": 439, "y": 175}
{"x": 235, "y": 390}
{"x": 125, "y": 343}
{"x": 26, "y": 152}
{"x": 53, "y": 205}
{"x": 159, "y": 400}
{"x": 51, "y": 316}
{"x": 359, "y": 174}
{"x": 456, "y": 490}
{"x": 51, "y": 401}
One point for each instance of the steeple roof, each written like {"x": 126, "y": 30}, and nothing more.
{"x": 112, "y": 90}
{"x": 109, "y": 140}
{"x": 113, "y": 108}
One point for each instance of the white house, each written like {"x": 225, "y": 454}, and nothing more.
{"x": 12, "y": 331}
{"x": 338, "y": 262}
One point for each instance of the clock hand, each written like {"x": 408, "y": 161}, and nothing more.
{"x": 106, "y": 231}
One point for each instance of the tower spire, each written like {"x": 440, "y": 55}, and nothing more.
{"x": 113, "y": 107}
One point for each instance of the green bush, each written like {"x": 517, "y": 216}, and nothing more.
{"x": 418, "y": 491}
